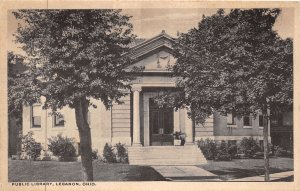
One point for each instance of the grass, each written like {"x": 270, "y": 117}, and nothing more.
{"x": 241, "y": 168}
{"x": 53, "y": 171}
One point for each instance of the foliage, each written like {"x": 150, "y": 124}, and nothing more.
{"x": 122, "y": 153}
{"x": 177, "y": 135}
{"x": 16, "y": 67}
{"x": 208, "y": 148}
{"x": 63, "y": 147}
{"x": 235, "y": 63}
{"x": 232, "y": 150}
{"x": 281, "y": 152}
{"x": 222, "y": 153}
{"x": 95, "y": 154}
{"x": 249, "y": 147}
{"x": 108, "y": 154}
{"x": 227, "y": 54}
{"x": 74, "y": 56}
{"x": 30, "y": 146}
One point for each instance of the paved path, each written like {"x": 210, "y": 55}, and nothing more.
{"x": 260, "y": 178}
{"x": 194, "y": 173}
{"x": 186, "y": 173}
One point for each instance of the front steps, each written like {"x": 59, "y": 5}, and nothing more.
{"x": 166, "y": 155}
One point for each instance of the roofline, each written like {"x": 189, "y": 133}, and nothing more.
{"x": 162, "y": 34}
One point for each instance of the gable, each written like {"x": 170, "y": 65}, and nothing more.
{"x": 157, "y": 61}
{"x": 154, "y": 54}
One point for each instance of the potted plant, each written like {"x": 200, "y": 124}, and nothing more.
{"x": 179, "y": 138}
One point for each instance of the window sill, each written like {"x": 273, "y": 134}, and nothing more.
{"x": 260, "y": 127}
{"x": 232, "y": 126}
{"x": 58, "y": 128}
{"x": 248, "y": 127}
{"x": 35, "y": 128}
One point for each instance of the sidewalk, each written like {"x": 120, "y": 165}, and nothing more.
{"x": 186, "y": 173}
{"x": 194, "y": 173}
{"x": 261, "y": 178}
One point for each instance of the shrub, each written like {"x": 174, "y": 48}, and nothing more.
{"x": 30, "y": 146}
{"x": 249, "y": 147}
{"x": 63, "y": 147}
{"x": 108, "y": 154}
{"x": 281, "y": 152}
{"x": 95, "y": 154}
{"x": 232, "y": 150}
{"x": 122, "y": 153}
{"x": 208, "y": 148}
{"x": 222, "y": 153}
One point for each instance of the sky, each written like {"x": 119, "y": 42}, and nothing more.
{"x": 148, "y": 23}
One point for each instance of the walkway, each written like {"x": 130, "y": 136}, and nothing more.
{"x": 261, "y": 178}
{"x": 194, "y": 173}
{"x": 186, "y": 173}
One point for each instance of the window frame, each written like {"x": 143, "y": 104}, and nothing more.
{"x": 57, "y": 124}
{"x": 233, "y": 123}
{"x": 250, "y": 125}
{"x": 261, "y": 120}
{"x": 32, "y": 116}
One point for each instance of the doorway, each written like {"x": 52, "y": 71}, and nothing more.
{"x": 161, "y": 123}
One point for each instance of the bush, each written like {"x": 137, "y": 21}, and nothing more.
{"x": 30, "y": 146}
{"x": 222, "y": 153}
{"x": 95, "y": 154}
{"x": 63, "y": 147}
{"x": 108, "y": 154}
{"x": 122, "y": 153}
{"x": 232, "y": 150}
{"x": 208, "y": 148}
{"x": 281, "y": 152}
{"x": 249, "y": 147}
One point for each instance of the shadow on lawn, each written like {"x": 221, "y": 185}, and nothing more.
{"x": 52, "y": 171}
{"x": 235, "y": 173}
{"x": 143, "y": 173}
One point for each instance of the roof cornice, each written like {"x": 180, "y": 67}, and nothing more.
{"x": 161, "y": 40}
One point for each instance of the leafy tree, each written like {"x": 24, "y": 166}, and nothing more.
{"x": 74, "y": 56}
{"x": 16, "y": 67}
{"x": 235, "y": 63}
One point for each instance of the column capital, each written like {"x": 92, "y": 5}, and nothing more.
{"x": 135, "y": 88}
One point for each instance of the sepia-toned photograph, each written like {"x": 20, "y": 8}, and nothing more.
{"x": 160, "y": 94}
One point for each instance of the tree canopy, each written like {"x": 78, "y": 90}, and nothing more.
{"x": 74, "y": 56}
{"x": 76, "y": 53}
{"x": 234, "y": 63}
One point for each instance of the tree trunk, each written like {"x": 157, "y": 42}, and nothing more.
{"x": 81, "y": 113}
{"x": 266, "y": 144}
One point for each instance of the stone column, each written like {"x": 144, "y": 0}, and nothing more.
{"x": 176, "y": 121}
{"x": 188, "y": 130}
{"x": 136, "y": 116}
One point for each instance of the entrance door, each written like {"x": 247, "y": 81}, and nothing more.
{"x": 161, "y": 124}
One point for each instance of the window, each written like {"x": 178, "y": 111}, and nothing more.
{"x": 231, "y": 119}
{"x": 261, "y": 121}
{"x": 247, "y": 120}
{"x": 59, "y": 120}
{"x": 36, "y": 112}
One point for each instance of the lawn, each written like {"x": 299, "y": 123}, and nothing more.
{"x": 53, "y": 171}
{"x": 240, "y": 168}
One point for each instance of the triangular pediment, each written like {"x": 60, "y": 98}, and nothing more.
{"x": 154, "y": 54}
